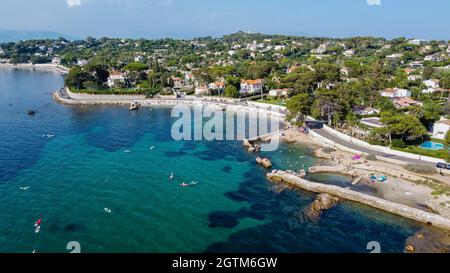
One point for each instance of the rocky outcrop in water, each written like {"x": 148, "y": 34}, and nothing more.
{"x": 323, "y": 202}
{"x": 251, "y": 148}
{"x": 428, "y": 241}
{"x": 264, "y": 162}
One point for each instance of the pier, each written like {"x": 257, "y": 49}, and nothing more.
{"x": 375, "y": 202}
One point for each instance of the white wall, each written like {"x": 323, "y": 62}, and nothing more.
{"x": 84, "y": 96}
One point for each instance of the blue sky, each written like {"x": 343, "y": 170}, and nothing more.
{"x": 426, "y": 19}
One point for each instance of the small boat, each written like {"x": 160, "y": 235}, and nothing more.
{"x": 31, "y": 112}
{"x": 107, "y": 210}
{"x": 37, "y": 229}
{"x": 38, "y": 222}
{"x": 134, "y": 106}
{"x": 24, "y": 188}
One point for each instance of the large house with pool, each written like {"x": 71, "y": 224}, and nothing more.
{"x": 441, "y": 128}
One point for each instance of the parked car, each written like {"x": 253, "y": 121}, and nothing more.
{"x": 443, "y": 166}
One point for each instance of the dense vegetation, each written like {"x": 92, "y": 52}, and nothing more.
{"x": 326, "y": 78}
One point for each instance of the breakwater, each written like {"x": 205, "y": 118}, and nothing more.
{"x": 375, "y": 202}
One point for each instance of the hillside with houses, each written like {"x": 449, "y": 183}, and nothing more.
{"x": 387, "y": 92}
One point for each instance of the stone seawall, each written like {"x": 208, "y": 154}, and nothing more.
{"x": 50, "y": 67}
{"x": 101, "y": 97}
{"x": 378, "y": 203}
{"x": 128, "y": 100}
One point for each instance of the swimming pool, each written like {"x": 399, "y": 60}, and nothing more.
{"x": 429, "y": 145}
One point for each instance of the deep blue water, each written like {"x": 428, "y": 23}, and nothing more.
{"x": 67, "y": 163}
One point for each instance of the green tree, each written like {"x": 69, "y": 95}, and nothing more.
{"x": 76, "y": 77}
{"x": 428, "y": 72}
{"x": 136, "y": 66}
{"x": 404, "y": 126}
{"x": 231, "y": 91}
{"x": 299, "y": 106}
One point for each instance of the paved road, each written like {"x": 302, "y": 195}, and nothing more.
{"x": 354, "y": 146}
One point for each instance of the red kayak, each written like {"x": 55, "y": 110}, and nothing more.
{"x": 38, "y": 222}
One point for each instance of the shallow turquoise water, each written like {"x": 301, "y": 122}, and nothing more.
{"x": 101, "y": 157}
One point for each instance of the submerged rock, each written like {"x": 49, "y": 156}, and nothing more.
{"x": 264, "y": 162}
{"x": 246, "y": 143}
{"x": 429, "y": 241}
{"x": 323, "y": 202}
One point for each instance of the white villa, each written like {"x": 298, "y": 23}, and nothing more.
{"x": 432, "y": 86}
{"x": 349, "y": 53}
{"x": 431, "y": 83}
{"x": 433, "y": 58}
{"x": 320, "y": 50}
{"x": 116, "y": 77}
{"x": 56, "y": 60}
{"x": 396, "y": 93}
{"x": 416, "y": 64}
{"x": 251, "y": 86}
{"x": 441, "y": 128}
{"x": 394, "y": 56}
{"x": 82, "y": 62}
{"x": 177, "y": 82}
{"x": 201, "y": 90}
{"x": 217, "y": 86}
{"x": 279, "y": 92}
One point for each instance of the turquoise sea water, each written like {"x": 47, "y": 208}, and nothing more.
{"x": 67, "y": 163}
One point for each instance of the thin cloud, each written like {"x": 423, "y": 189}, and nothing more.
{"x": 73, "y": 3}
{"x": 374, "y": 2}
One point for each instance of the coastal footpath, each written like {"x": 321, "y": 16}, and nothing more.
{"x": 425, "y": 217}
{"x": 65, "y": 96}
{"x": 49, "y": 67}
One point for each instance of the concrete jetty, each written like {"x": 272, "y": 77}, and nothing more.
{"x": 375, "y": 202}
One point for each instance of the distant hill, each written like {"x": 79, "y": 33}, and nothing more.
{"x": 17, "y": 35}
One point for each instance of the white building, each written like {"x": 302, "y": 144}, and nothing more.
{"x": 414, "y": 78}
{"x": 320, "y": 50}
{"x": 279, "y": 93}
{"x": 115, "y": 78}
{"x": 82, "y": 62}
{"x": 139, "y": 59}
{"x": 432, "y": 86}
{"x": 396, "y": 93}
{"x": 56, "y": 60}
{"x": 441, "y": 128}
{"x": 349, "y": 53}
{"x": 394, "y": 56}
{"x": 417, "y": 41}
{"x": 416, "y": 64}
{"x": 364, "y": 111}
{"x": 201, "y": 90}
{"x": 279, "y": 47}
{"x": 433, "y": 58}
{"x": 217, "y": 86}
{"x": 431, "y": 83}
{"x": 251, "y": 86}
